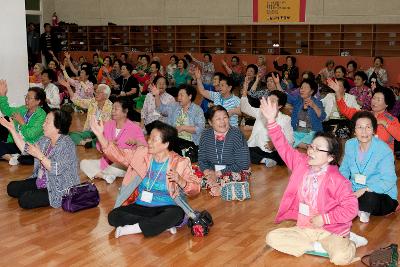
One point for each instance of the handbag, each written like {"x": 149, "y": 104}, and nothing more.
{"x": 199, "y": 226}
{"x": 80, "y": 197}
{"x": 235, "y": 191}
{"x": 383, "y": 257}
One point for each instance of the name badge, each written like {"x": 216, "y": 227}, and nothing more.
{"x": 146, "y": 196}
{"x": 155, "y": 113}
{"x": 302, "y": 124}
{"x": 219, "y": 167}
{"x": 304, "y": 209}
{"x": 360, "y": 179}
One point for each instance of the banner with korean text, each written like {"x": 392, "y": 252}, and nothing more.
{"x": 278, "y": 11}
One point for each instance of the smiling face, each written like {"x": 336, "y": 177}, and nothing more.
{"x": 118, "y": 113}
{"x": 339, "y": 73}
{"x": 270, "y": 84}
{"x": 183, "y": 98}
{"x": 317, "y": 157}
{"x": 364, "y": 130}
{"x": 305, "y": 91}
{"x": 220, "y": 121}
{"x": 37, "y": 70}
{"x": 216, "y": 81}
{"x": 161, "y": 85}
{"x": 250, "y": 73}
{"x": 358, "y": 81}
{"x": 378, "y": 63}
{"x": 49, "y": 129}
{"x": 224, "y": 88}
{"x": 106, "y": 62}
{"x": 378, "y": 103}
{"x": 45, "y": 79}
{"x": 51, "y": 65}
{"x": 181, "y": 65}
{"x": 31, "y": 102}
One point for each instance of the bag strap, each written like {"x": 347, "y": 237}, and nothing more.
{"x": 365, "y": 259}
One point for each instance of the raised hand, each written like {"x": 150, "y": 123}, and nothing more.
{"x": 9, "y": 125}
{"x": 154, "y": 90}
{"x": 334, "y": 85}
{"x": 3, "y": 88}
{"x": 223, "y": 62}
{"x": 197, "y": 73}
{"x": 62, "y": 67}
{"x": 67, "y": 55}
{"x": 97, "y": 126}
{"x": 18, "y": 118}
{"x": 275, "y": 78}
{"x": 34, "y": 150}
{"x": 269, "y": 109}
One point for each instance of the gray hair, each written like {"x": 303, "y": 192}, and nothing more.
{"x": 106, "y": 89}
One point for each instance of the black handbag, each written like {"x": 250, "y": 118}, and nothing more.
{"x": 200, "y": 225}
{"x": 383, "y": 257}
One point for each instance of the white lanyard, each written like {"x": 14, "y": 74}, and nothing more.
{"x": 216, "y": 150}
{"x": 156, "y": 178}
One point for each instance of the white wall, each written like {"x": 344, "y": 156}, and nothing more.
{"x": 181, "y": 12}
{"x": 13, "y": 50}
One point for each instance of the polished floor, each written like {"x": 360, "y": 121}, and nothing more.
{"x": 52, "y": 237}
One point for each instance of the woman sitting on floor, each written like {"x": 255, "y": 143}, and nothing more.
{"x": 223, "y": 151}
{"x": 307, "y": 115}
{"x": 262, "y": 151}
{"x": 151, "y": 196}
{"x": 318, "y": 197}
{"x": 28, "y": 120}
{"x": 369, "y": 164}
{"x": 185, "y": 116}
{"x": 98, "y": 105}
{"x": 123, "y": 132}
{"x": 56, "y": 163}
{"x": 383, "y": 99}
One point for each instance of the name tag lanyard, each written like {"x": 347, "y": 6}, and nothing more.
{"x": 148, "y": 187}
{"x": 366, "y": 164}
{"x": 216, "y": 150}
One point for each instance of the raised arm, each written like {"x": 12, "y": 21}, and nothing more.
{"x": 72, "y": 67}
{"x": 18, "y": 139}
{"x": 226, "y": 67}
{"x": 200, "y": 86}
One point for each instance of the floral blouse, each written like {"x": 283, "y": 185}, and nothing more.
{"x": 363, "y": 95}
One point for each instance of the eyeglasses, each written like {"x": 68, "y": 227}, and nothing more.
{"x": 29, "y": 98}
{"x": 316, "y": 149}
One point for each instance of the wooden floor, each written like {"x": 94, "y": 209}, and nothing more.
{"x": 52, "y": 237}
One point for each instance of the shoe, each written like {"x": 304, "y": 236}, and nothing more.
{"x": 269, "y": 163}
{"x": 110, "y": 178}
{"x": 364, "y": 216}
{"x": 172, "y": 230}
{"x": 358, "y": 240}
{"x": 14, "y": 160}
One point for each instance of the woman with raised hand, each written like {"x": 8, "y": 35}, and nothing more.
{"x": 369, "y": 164}
{"x": 318, "y": 197}
{"x": 151, "y": 199}
{"x": 56, "y": 163}
{"x": 123, "y": 132}
{"x": 28, "y": 120}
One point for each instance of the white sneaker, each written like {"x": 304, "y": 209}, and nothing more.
{"x": 358, "y": 240}
{"x": 269, "y": 163}
{"x": 110, "y": 178}
{"x": 172, "y": 230}
{"x": 14, "y": 160}
{"x": 364, "y": 216}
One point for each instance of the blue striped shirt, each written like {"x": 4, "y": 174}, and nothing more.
{"x": 229, "y": 103}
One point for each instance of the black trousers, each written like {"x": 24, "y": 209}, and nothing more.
{"x": 8, "y": 148}
{"x": 3, "y": 132}
{"x": 182, "y": 144}
{"x": 377, "y": 204}
{"x": 29, "y": 196}
{"x": 152, "y": 220}
{"x": 256, "y": 155}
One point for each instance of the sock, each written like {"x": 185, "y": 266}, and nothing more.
{"x": 127, "y": 230}
{"x": 172, "y": 230}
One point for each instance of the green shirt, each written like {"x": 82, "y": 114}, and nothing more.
{"x": 33, "y": 129}
{"x": 181, "y": 78}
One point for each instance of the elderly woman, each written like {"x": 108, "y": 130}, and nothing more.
{"x": 223, "y": 149}
{"x": 327, "y": 72}
{"x": 103, "y": 76}
{"x": 369, "y": 164}
{"x": 290, "y": 67}
{"x": 262, "y": 151}
{"x": 223, "y": 97}
{"x": 334, "y": 120}
{"x": 378, "y": 71}
{"x": 151, "y": 198}
{"x": 234, "y": 70}
{"x": 148, "y": 112}
{"x": 28, "y": 120}
{"x": 100, "y": 106}
{"x": 56, "y": 163}
{"x": 207, "y": 68}
{"x": 36, "y": 79}
{"x": 52, "y": 92}
{"x": 362, "y": 92}
{"x": 121, "y": 131}
{"x": 185, "y": 116}
{"x": 307, "y": 115}
{"x": 171, "y": 67}
{"x": 317, "y": 197}
{"x": 84, "y": 88}
{"x": 181, "y": 76}
{"x": 383, "y": 99}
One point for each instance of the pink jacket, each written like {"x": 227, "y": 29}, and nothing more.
{"x": 336, "y": 201}
{"x": 130, "y": 131}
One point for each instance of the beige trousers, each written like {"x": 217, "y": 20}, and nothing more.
{"x": 91, "y": 167}
{"x": 296, "y": 241}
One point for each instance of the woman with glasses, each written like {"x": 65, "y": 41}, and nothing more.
{"x": 28, "y": 120}
{"x": 369, "y": 164}
{"x": 383, "y": 99}
{"x": 318, "y": 197}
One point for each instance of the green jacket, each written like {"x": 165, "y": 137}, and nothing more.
{"x": 31, "y": 131}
